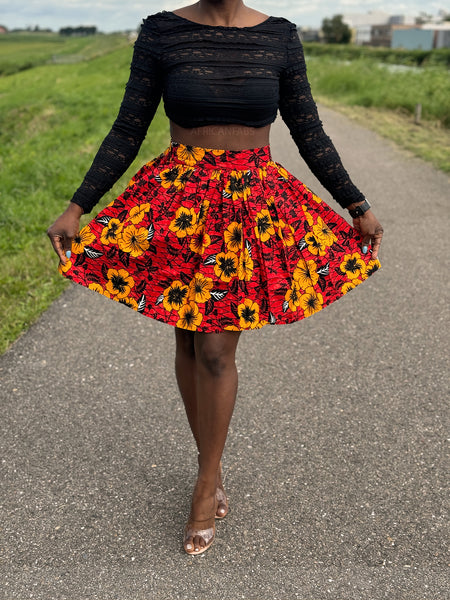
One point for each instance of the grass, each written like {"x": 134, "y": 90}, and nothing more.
{"x": 52, "y": 120}
{"x": 365, "y": 83}
{"x": 21, "y": 51}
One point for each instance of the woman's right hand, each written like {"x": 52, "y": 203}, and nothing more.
{"x": 64, "y": 229}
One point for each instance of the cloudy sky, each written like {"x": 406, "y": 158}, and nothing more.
{"x": 113, "y": 15}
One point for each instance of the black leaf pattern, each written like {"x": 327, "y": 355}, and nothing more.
{"x": 141, "y": 304}
{"x": 218, "y": 294}
{"x": 91, "y": 253}
{"x": 324, "y": 270}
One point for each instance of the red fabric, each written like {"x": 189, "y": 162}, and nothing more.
{"x": 214, "y": 240}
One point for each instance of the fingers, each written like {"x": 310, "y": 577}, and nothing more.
{"x": 61, "y": 245}
{"x": 376, "y": 241}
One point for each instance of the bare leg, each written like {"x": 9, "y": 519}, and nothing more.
{"x": 216, "y": 387}
{"x": 186, "y": 374}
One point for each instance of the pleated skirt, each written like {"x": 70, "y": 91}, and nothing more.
{"x": 210, "y": 240}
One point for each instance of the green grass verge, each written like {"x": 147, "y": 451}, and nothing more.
{"x": 52, "y": 120}
{"x": 397, "y": 56}
{"x": 365, "y": 83}
{"x": 21, "y": 51}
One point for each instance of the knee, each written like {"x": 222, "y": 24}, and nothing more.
{"x": 215, "y": 358}
{"x": 184, "y": 343}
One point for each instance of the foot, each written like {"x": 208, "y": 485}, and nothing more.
{"x": 221, "y": 497}
{"x": 200, "y": 529}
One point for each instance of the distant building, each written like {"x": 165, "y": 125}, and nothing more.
{"x": 3, "y": 29}
{"x": 413, "y": 38}
{"x": 441, "y": 34}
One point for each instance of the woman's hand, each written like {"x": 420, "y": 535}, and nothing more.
{"x": 64, "y": 229}
{"x": 369, "y": 227}
{"x": 371, "y": 230}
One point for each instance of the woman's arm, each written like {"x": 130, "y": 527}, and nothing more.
{"x": 138, "y": 107}
{"x": 299, "y": 111}
{"x": 121, "y": 145}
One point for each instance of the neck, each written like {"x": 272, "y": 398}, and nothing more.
{"x": 220, "y": 12}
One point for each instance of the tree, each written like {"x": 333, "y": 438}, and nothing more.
{"x": 335, "y": 31}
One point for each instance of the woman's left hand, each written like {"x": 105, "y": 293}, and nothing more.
{"x": 371, "y": 230}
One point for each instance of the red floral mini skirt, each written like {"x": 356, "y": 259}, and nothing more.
{"x": 211, "y": 240}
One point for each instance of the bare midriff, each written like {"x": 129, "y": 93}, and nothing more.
{"x": 222, "y": 137}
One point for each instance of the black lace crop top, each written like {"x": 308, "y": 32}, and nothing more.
{"x": 214, "y": 75}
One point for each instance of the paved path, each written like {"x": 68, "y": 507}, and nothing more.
{"x": 334, "y": 463}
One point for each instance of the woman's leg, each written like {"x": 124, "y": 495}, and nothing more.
{"x": 186, "y": 375}
{"x": 216, "y": 387}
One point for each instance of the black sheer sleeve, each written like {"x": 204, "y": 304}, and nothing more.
{"x": 121, "y": 145}
{"x": 299, "y": 111}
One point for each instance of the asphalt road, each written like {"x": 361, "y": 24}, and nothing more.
{"x": 335, "y": 459}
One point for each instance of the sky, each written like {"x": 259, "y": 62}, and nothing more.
{"x": 114, "y": 15}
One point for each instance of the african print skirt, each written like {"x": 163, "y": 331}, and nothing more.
{"x": 212, "y": 240}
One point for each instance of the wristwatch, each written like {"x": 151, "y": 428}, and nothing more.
{"x": 359, "y": 210}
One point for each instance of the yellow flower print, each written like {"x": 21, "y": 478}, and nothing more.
{"x": 285, "y": 233}
{"x": 238, "y": 185}
{"x": 190, "y": 154}
{"x": 119, "y": 283}
{"x": 270, "y": 202}
{"x": 245, "y": 267}
{"x": 183, "y": 176}
{"x": 131, "y": 183}
{"x": 199, "y": 240}
{"x": 372, "y": 266}
{"x": 130, "y": 302}
{"x": 82, "y": 239}
{"x": 262, "y": 173}
{"x": 175, "y": 295}
{"x": 264, "y": 226}
{"x": 98, "y": 288}
{"x": 233, "y": 236}
{"x": 315, "y": 246}
{"x": 226, "y": 265}
{"x": 307, "y": 215}
{"x": 111, "y": 232}
{"x": 169, "y": 176}
{"x": 64, "y": 268}
{"x": 323, "y": 233}
{"x": 202, "y": 213}
{"x": 349, "y": 285}
{"x": 134, "y": 240}
{"x": 200, "y": 288}
{"x": 293, "y": 295}
{"x": 282, "y": 172}
{"x": 217, "y": 152}
{"x": 316, "y": 198}
{"x": 184, "y": 222}
{"x": 215, "y": 174}
{"x": 311, "y": 302}
{"x": 353, "y": 265}
{"x": 232, "y": 328}
{"x": 248, "y": 313}
{"x": 137, "y": 213}
{"x": 305, "y": 274}
{"x": 190, "y": 316}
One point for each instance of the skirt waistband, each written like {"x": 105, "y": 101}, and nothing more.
{"x": 216, "y": 158}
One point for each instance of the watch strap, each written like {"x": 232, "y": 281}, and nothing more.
{"x": 358, "y": 211}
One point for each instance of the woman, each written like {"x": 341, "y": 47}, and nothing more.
{"x": 213, "y": 236}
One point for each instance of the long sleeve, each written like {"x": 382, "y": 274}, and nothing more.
{"x": 121, "y": 145}
{"x": 299, "y": 111}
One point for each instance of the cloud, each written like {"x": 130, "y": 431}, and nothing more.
{"x": 112, "y": 15}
